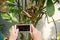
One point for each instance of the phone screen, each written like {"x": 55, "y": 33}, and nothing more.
{"x": 23, "y": 27}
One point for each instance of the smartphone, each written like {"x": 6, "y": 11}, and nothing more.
{"x": 23, "y": 27}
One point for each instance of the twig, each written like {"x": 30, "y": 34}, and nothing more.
{"x": 55, "y": 21}
{"x": 55, "y": 27}
{"x": 47, "y": 18}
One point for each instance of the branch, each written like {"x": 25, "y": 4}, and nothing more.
{"x": 55, "y": 27}
{"x": 38, "y": 18}
{"x": 55, "y": 20}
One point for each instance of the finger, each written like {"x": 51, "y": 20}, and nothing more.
{"x": 17, "y": 31}
{"x": 15, "y": 28}
{"x": 31, "y": 34}
{"x": 12, "y": 28}
{"x": 32, "y": 28}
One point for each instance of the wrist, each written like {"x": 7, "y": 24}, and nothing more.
{"x": 11, "y": 38}
{"x": 36, "y": 39}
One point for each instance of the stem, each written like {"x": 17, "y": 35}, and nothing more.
{"x": 55, "y": 21}
{"x": 29, "y": 37}
{"x": 38, "y": 18}
{"x": 0, "y": 14}
{"x": 47, "y": 18}
{"x": 25, "y": 4}
{"x": 22, "y": 36}
{"x": 22, "y": 3}
{"x": 55, "y": 27}
{"x": 18, "y": 2}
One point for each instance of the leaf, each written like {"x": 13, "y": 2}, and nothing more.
{"x": 50, "y": 8}
{"x": 14, "y": 10}
{"x": 20, "y": 8}
{"x": 59, "y": 8}
{"x": 11, "y": 0}
{"x": 8, "y": 3}
{"x": 5, "y": 16}
{"x": 13, "y": 17}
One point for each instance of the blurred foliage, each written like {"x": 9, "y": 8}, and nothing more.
{"x": 10, "y": 11}
{"x": 59, "y": 8}
{"x": 1, "y": 36}
{"x": 58, "y": 36}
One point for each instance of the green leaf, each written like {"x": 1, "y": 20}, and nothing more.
{"x": 11, "y": 0}
{"x": 20, "y": 8}
{"x": 8, "y": 3}
{"x": 50, "y": 8}
{"x": 5, "y": 16}
{"x": 13, "y": 18}
{"x": 59, "y": 8}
